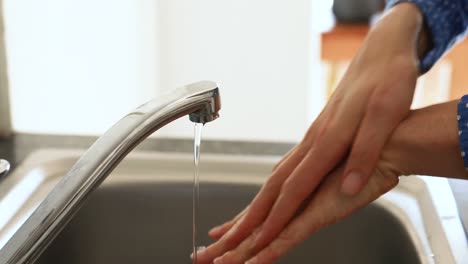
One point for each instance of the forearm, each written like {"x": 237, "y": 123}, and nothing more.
{"x": 403, "y": 24}
{"x": 397, "y": 40}
{"x": 446, "y": 22}
{"x": 427, "y": 143}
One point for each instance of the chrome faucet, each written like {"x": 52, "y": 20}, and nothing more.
{"x": 200, "y": 101}
{"x": 4, "y": 168}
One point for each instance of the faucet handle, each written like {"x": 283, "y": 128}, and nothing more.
{"x": 4, "y": 168}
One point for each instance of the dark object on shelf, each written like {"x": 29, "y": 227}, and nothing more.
{"x": 356, "y": 11}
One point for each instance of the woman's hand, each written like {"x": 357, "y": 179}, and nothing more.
{"x": 326, "y": 206}
{"x": 372, "y": 98}
{"x": 424, "y": 143}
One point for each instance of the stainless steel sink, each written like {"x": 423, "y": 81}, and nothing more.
{"x": 142, "y": 213}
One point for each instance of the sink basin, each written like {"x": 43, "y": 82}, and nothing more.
{"x": 142, "y": 213}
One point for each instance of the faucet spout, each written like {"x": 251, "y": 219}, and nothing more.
{"x": 200, "y": 101}
{"x": 4, "y": 168}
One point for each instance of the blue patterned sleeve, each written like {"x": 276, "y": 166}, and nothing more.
{"x": 463, "y": 128}
{"x": 447, "y": 21}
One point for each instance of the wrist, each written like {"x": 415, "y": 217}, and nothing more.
{"x": 402, "y": 27}
{"x": 427, "y": 143}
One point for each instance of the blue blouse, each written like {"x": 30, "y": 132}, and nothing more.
{"x": 447, "y": 21}
{"x": 463, "y": 128}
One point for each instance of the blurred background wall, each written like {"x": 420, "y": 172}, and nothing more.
{"x": 5, "y": 116}
{"x": 76, "y": 67}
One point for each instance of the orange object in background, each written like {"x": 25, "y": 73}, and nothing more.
{"x": 448, "y": 79}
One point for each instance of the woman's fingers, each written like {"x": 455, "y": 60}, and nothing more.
{"x": 256, "y": 213}
{"x": 302, "y": 148}
{"x": 218, "y": 231}
{"x": 328, "y": 206}
{"x": 261, "y": 205}
{"x": 285, "y": 157}
{"x": 241, "y": 253}
{"x": 373, "y": 133}
{"x": 382, "y": 116}
{"x": 316, "y": 214}
{"x": 325, "y": 154}
{"x": 207, "y": 255}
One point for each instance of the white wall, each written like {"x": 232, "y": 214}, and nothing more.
{"x": 74, "y": 66}
{"x": 77, "y": 66}
{"x": 258, "y": 51}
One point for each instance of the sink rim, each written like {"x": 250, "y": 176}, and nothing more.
{"x": 433, "y": 225}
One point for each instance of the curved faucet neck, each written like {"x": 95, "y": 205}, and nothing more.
{"x": 200, "y": 101}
